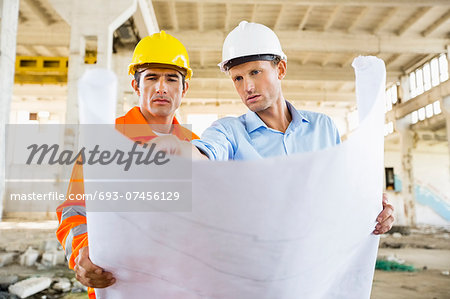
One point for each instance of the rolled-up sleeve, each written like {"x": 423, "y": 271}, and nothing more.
{"x": 215, "y": 143}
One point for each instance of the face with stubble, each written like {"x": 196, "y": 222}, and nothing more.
{"x": 258, "y": 83}
{"x": 160, "y": 91}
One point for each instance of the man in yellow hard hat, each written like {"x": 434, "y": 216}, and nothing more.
{"x": 160, "y": 66}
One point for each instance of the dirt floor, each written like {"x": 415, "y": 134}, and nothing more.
{"x": 425, "y": 248}
{"x": 428, "y": 250}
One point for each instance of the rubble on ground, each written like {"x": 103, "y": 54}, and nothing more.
{"x": 62, "y": 284}
{"x": 6, "y": 258}
{"x": 422, "y": 237}
{"x": 30, "y": 286}
{"x": 29, "y": 257}
{"x": 37, "y": 271}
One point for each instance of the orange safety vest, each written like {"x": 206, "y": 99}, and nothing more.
{"x": 72, "y": 229}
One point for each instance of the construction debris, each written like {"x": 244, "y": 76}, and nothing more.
{"x": 53, "y": 258}
{"x": 6, "y": 258}
{"x": 30, "y": 286}
{"x": 43, "y": 272}
{"x": 393, "y": 266}
{"x": 29, "y": 257}
{"x": 63, "y": 285}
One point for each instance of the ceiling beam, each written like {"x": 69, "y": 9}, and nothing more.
{"x": 211, "y": 106}
{"x": 416, "y": 16}
{"x": 62, "y": 51}
{"x": 234, "y": 106}
{"x": 254, "y": 10}
{"x": 45, "y": 51}
{"x": 305, "y": 18}
{"x": 202, "y": 58}
{"x": 434, "y": 125}
{"x": 292, "y": 95}
{"x": 22, "y": 18}
{"x": 358, "y": 18}
{"x": 200, "y": 16}
{"x": 385, "y": 3}
{"x": 26, "y": 50}
{"x": 40, "y": 12}
{"x": 227, "y": 16}
{"x": 334, "y": 42}
{"x": 305, "y": 59}
{"x": 326, "y": 59}
{"x": 348, "y": 61}
{"x": 173, "y": 15}
{"x": 391, "y": 11}
{"x": 145, "y": 19}
{"x": 436, "y": 24}
{"x": 299, "y": 72}
{"x": 391, "y": 59}
{"x": 279, "y": 19}
{"x": 332, "y": 17}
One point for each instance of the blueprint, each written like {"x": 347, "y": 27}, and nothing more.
{"x": 298, "y": 226}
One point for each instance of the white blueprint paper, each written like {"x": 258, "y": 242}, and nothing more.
{"x": 281, "y": 228}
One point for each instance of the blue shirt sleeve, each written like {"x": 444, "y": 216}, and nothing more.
{"x": 215, "y": 142}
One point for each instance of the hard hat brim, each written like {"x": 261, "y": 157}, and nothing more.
{"x": 132, "y": 68}
{"x": 227, "y": 65}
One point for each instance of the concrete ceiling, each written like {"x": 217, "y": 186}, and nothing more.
{"x": 320, "y": 38}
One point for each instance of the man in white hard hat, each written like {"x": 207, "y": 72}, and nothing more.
{"x": 253, "y": 57}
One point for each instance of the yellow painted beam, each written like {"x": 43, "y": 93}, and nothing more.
{"x": 45, "y": 70}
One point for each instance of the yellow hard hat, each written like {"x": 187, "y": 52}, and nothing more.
{"x": 160, "y": 48}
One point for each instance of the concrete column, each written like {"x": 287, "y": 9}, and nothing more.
{"x": 9, "y": 13}
{"x": 90, "y": 21}
{"x": 120, "y": 62}
{"x": 407, "y": 143}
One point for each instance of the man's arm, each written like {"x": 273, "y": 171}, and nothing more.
{"x": 72, "y": 234}
{"x": 174, "y": 146}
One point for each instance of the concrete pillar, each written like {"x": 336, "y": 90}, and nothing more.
{"x": 407, "y": 143}
{"x": 9, "y": 13}
{"x": 91, "y": 22}
{"x": 125, "y": 93}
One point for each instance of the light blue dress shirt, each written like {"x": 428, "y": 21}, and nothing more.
{"x": 247, "y": 137}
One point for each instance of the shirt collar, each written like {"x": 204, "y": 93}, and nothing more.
{"x": 297, "y": 116}
{"x": 253, "y": 122}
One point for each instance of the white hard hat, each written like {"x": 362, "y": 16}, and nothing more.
{"x": 249, "y": 42}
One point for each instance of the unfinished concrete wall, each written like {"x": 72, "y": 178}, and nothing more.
{"x": 431, "y": 184}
